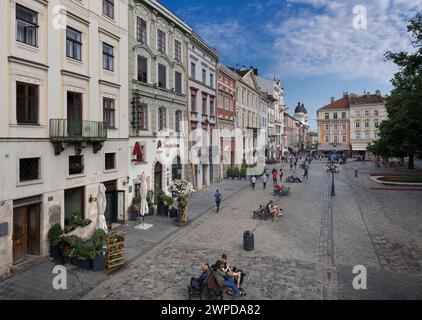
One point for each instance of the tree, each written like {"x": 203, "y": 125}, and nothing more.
{"x": 401, "y": 134}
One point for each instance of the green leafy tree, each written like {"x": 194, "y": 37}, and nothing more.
{"x": 401, "y": 134}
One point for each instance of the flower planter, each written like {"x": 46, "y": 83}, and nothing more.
{"x": 173, "y": 213}
{"x": 83, "y": 264}
{"x": 151, "y": 210}
{"x": 55, "y": 252}
{"x": 98, "y": 263}
{"x": 68, "y": 260}
{"x": 160, "y": 209}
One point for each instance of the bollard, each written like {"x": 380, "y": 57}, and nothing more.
{"x": 248, "y": 241}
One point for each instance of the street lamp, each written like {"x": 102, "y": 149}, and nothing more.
{"x": 333, "y": 170}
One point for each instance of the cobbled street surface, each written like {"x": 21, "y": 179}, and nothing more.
{"x": 310, "y": 253}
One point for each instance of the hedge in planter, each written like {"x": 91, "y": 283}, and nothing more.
{"x": 54, "y": 235}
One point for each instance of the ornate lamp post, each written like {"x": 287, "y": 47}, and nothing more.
{"x": 333, "y": 170}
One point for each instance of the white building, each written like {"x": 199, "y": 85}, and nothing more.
{"x": 204, "y": 143}
{"x": 63, "y": 124}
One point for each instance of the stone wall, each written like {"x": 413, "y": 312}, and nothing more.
{"x": 6, "y": 244}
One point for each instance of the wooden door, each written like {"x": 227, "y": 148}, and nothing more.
{"x": 33, "y": 229}
{"x": 19, "y": 234}
{"x": 158, "y": 179}
{"x": 74, "y": 114}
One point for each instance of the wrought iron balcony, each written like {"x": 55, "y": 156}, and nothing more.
{"x": 78, "y": 132}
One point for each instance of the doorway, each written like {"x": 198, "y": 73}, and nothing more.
{"x": 158, "y": 179}
{"x": 111, "y": 211}
{"x": 26, "y": 232}
{"x": 74, "y": 114}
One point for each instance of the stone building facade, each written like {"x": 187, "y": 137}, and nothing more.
{"x": 63, "y": 128}
{"x": 204, "y": 141}
{"x": 158, "y": 71}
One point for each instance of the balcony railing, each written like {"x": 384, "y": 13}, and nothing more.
{"x": 77, "y": 131}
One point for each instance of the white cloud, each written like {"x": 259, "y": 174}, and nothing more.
{"x": 325, "y": 43}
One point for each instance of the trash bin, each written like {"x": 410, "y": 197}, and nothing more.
{"x": 248, "y": 241}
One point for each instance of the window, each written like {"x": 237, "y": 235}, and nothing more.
{"x": 26, "y": 25}
{"x": 178, "y": 123}
{"x": 336, "y": 127}
{"x": 344, "y": 126}
{"x": 376, "y": 124}
{"x": 357, "y": 113}
{"x": 344, "y": 139}
{"x": 193, "y": 71}
{"x": 335, "y": 116}
{"x": 335, "y": 139}
{"x": 162, "y": 120}
{"x": 367, "y": 137}
{"x": 109, "y": 113}
{"x": 108, "y": 57}
{"x": 376, "y": 113}
{"x": 367, "y": 124}
{"x": 327, "y": 116}
{"x": 326, "y": 127}
{"x": 212, "y": 106}
{"x": 327, "y": 139}
{"x": 76, "y": 165}
{"x": 161, "y": 41}
{"x": 357, "y": 124}
{"x": 376, "y": 135}
{"x": 193, "y": 101}
{"x": 142, "y": 69}
{"x": 26, "y": 103}
{"x": 204, "y": 105}
{"x": 178, "y": 82}
{"x": 177, "y": 50}
{"x": 367, "y": 113}
{"x": 73, "y": 44}
{"x": 204, "y": 76}
{"x": 142, "y": 31}
{"x": 162, "y": 79}
{"x": 212, "y": 80}
{"x": 343, "y": 115}
{"x": 74, "y": 200}
{"x": 143, "y": 117}
{"x": 110, "y": 161}
{"x": 357, "y": 135}
{"x": 29, "y": 169}
{"x": 108, "y": 8}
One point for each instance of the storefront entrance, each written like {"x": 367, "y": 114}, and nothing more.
{"x": 158, "y": 179}
{"x": 111, "y": 211}
{"x": 26, "y": 232}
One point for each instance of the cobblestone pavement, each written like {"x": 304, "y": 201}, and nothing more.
{"x": 308, "y": 254}
{"x": 35, "y": 282}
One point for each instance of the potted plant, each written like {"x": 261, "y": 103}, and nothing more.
{"x": 236, "y": 173}
{"x": 161, "y": 198}
{"x": 68, "y": 245}
{"x": 98, "y": 238}
{"x": 135, "y": 207}
{"x": 84, "y": 256}
{"x": 54, "y": 235}
{"x": 150, "y": 201}
{"x": 169, "y": 201}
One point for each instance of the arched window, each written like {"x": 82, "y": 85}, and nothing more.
{"x": 178, "y": 124}
{"x": 162, "y": 119}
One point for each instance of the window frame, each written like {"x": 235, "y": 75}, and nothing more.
{"x": 141, "y": 30}
{"x": 162, "y": 118}
{"x": 177, "y": 50}
{"x": 38, "y": 170}
{"x": 107, "y": 4}
{"x": 31, "y": 24}
{"x": 26, "y": 106}
{"x": 178, "y": 85}
{"x": 82, "y": 167}
{"x": 108, "y": 160}
{"x": 142, "y": 76}
{"x": 109, "y": 110}
{"x": 162, "y": 83}
{"x": 75, "y": 43}
{"x": 108, "y": 56}
{"x": 143, "y": 117}
{"x": 161, "y": 41}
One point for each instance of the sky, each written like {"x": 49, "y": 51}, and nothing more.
{"x": 317, "y": 48}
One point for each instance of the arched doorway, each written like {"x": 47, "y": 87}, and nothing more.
{"x": 158, "y": 178}
{"x": 176, "y": 171}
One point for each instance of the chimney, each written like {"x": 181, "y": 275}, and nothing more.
{"x": 333, "y": 99}
{"x": 345, "y": 94}
{"x": 378, "y": 93}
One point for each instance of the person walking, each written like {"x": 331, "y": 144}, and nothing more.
{"x": 218, "y": 197}
{"x": 356, "y": 170}
{"x": 306, "y": 172}
{"x": 253, "y": 181}
{"x": 281, "y": 175}
{"x": 275, "y": 177}
{"x": 264, "y": 181}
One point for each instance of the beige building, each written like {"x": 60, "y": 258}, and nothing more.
{"x": 63, "y": 124}
{"x": 366, "y": 114}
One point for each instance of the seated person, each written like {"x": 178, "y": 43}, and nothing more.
{"x": 277, "y": 188}
{"x": 221, "y": 278}
{"x": 273, "y": 209}
{"x": 230, "y": 273}
{"x": 198, "y": 283}
{"x": 296, "y": 177}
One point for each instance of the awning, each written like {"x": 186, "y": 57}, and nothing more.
{"x": 359, "y": 147}
{"x": 339, "y": 147}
